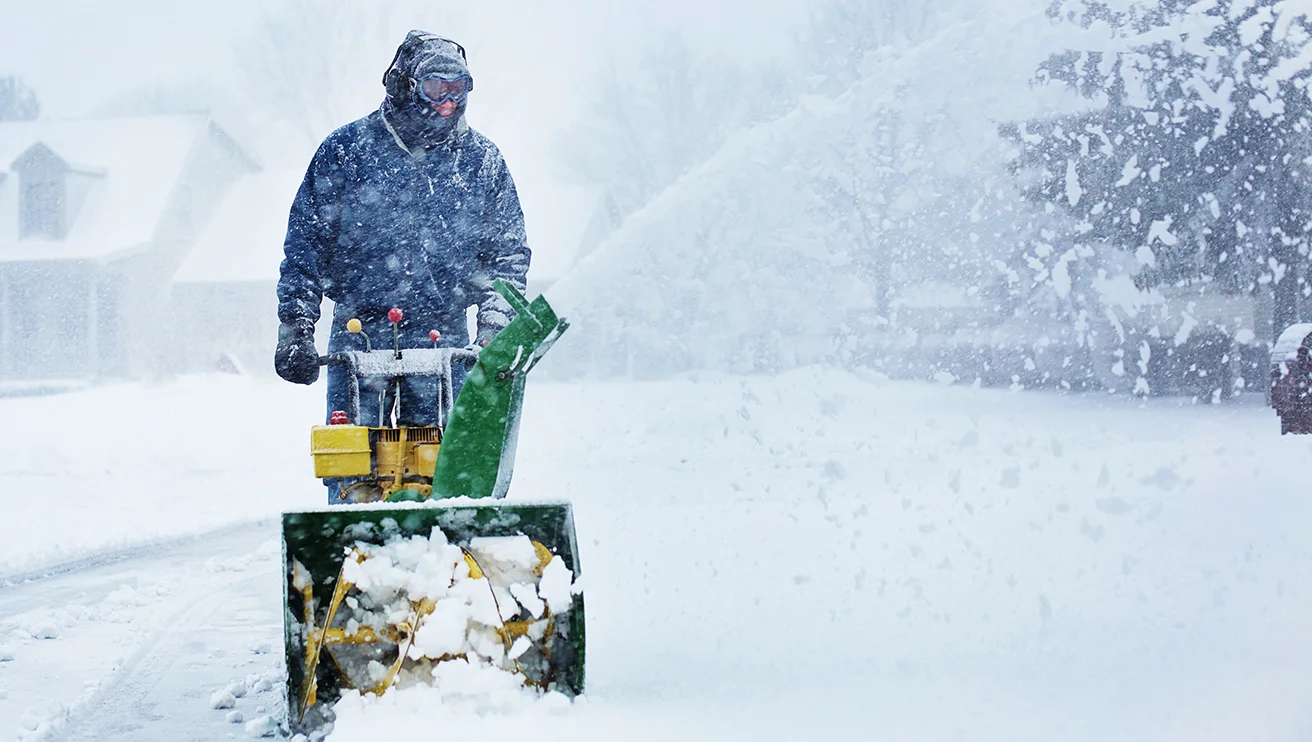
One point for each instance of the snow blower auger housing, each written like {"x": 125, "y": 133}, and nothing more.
{"x": 429, "y": 573}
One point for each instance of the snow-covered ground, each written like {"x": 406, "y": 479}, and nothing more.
{"x": 110, "y": 467}
{"x": 817, "y": 554}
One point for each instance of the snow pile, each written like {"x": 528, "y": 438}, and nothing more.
{"x": 465, "y": 695}
{"x": 468, "y": 613}
{"x": 257, "y": 690}
{"x": 222, "y": 699}
{"x": 459, "y": 661}
{"x": 264, "y": 725}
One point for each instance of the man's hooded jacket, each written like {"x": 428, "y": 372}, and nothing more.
{"x": 405, "y": 208}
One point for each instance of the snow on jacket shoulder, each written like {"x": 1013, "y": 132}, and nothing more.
{"x": 374, "y": 226}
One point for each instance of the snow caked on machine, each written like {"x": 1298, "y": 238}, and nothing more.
{"x": 429, "y": 576}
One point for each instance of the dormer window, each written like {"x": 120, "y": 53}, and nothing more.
{"x": 41, "y": 208}
{"x": 43, "y": 177}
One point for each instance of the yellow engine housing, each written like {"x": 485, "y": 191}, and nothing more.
{"x": 394, "y": 458}
{"x": 405, "y": 452}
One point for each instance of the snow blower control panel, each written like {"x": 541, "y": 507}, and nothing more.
{"x": 380, "y": 460}
{"x": 385, "y": 463}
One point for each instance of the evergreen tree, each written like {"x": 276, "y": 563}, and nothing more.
{"x": 1196, "y": 162}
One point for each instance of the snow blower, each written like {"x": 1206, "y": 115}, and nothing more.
{"x": 429, "y": 573}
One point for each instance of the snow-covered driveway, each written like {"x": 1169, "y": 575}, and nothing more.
{"x": 131, "y": 644}
{"x": 815, "y": 554}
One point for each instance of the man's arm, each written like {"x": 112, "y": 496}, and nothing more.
{"x": 312, "y": 229}
{"x": 503, "y": 252}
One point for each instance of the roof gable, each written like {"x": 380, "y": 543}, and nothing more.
{"x": 39, "y": 158}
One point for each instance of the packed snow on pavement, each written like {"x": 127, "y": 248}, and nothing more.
{"x": 819, "y": 553}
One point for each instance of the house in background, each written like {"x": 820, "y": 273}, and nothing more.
{"x": 224, "y": 296}
{"x": 96, "y": 217}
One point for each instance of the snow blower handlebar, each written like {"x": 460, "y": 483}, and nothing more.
{"x": 392, "y": 365}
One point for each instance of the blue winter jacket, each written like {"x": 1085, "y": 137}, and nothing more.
{"x": 375, "y": 225}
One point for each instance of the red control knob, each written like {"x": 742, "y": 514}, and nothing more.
{"x": 338, "y": 418}
{"x": 394, "y": 315}
{"x": 434, "y": 335}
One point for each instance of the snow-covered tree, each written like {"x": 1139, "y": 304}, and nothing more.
{"x": 1196, "y": 160}
{"x": 879, "y": 179}
{"x": 17, "y": 101}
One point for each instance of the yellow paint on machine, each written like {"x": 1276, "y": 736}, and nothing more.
{"x": 340, "y": 451}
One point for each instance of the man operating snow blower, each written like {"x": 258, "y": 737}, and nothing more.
{"x": 406, "y": 207}
{"x": 426, "y": 577}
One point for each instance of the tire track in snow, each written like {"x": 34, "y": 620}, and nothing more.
{"x": 111, "y": 557}
{"x": 222, "y": 591}
{"x": 160, "y": 692}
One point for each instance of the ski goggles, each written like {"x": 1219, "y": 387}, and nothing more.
{"x": 438, "y": 88}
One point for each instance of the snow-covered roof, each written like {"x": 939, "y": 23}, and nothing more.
{"x": 139, "y": 160}
{"x": 243, "y": 241}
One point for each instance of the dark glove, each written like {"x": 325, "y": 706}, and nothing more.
{"x": 475, "y": 347}
{"x": 296, "y": 359}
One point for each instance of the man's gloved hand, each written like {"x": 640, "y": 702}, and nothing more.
{"x": 296, "y": 359}
{"x": 479, "y": 344}
{"x": 476, "y": 346}
{"x": 493, "y": 316}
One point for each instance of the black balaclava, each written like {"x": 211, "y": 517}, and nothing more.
{"x": 411, "y": 118}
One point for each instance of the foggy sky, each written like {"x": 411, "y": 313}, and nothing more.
{"x": 77, "y": 54}
{"x": 531, "y": 59}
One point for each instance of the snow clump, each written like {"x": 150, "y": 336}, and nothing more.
{"x": 467, "y": 613}
{"x": 262, "y": 726}
{"x": 222, "y": 700}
